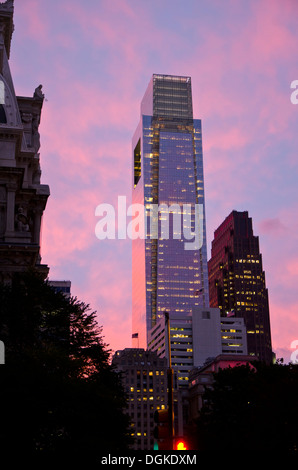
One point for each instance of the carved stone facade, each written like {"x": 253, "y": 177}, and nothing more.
{"x": 22, "y": 197}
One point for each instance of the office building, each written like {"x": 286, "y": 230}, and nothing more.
{"x": 169, "y": 263}
{"x": 22, "y": 196}
{"x": 197, "y": 337}
{"x": 144, "y": 377}
{"x": 237, "y": 281}
{"x": 233, "y": 336}
{"x": 195, "y": 340}
{"x": 61, "y": 286}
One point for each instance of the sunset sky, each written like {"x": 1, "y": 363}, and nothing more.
{"x": 94, "y": 59}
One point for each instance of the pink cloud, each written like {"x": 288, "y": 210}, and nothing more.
{"x": 68, "y": 225}
{"x": 272, "y": 227}
{"x": 95, "y": 70}
{"x": 34, "y": 20}
{"x": 113, "y": 298}
{"x": 292, "y": 268}
{"x": 284, "y": 327}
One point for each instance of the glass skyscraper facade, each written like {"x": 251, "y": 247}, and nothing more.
{"x": 237, "y": 281}
{"x": 169, "y": 263}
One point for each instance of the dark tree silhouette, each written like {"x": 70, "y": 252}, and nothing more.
{"x": 251, "y": 409}
{"x": 58, "y": 391}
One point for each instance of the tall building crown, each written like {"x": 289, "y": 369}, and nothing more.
{"x": 172, "y": 96}
{"x": 168, "y": 97}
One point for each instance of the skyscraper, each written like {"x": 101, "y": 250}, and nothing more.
{"x": 237, "y": 281}
{"x": 170, "y": 270}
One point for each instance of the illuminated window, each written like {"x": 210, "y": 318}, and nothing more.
{"x": 137, "y": 163}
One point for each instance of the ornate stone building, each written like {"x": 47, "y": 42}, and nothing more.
{"x": 22, "y": 197}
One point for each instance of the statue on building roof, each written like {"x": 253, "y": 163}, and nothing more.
{"x": 38, "y": 93}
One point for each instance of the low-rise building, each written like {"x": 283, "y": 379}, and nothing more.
{"x": 201, "y": 378}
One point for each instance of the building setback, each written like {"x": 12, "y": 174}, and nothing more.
{"x": 237, "y": 281}
{"x": 168, "y": 274}
{"x": 196, "y": 338}
{"x": 22, "y": 196}
{"x": 144, "y": 377}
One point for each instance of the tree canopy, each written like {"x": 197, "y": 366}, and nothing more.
{"x": 58, "y": 392}
{"x": 251, "y": 409}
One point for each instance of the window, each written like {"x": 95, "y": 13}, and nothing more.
{"x": 3, "y": 119}
{"x": 137, "y": 163}
{"x": 206, "y": 315}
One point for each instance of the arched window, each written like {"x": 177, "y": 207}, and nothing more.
{"x": 3, "y": 119}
